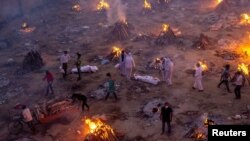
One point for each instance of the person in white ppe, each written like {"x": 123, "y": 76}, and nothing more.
{"x": 198, "y": 78}
{"x": 129, "y": 65}
{"x": 169, "y": 71}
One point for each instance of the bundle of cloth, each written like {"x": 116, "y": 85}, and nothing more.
{"x": 86, "y": 68}
{"x": 147, "y": 79}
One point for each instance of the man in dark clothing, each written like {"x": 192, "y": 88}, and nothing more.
{"x": 64, "y": 61}
{"x": 111, "y": 87}
{"x": 78, "y": 65}
{"x": 166, "y": 116}
{"x": 49, "y": 78}
{"x": 225, "y": 77}
{"x": 82, "y": 98}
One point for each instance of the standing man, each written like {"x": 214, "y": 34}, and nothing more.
{"x": 64, "y": 62}
{"x": 225, "y": 77}
{"x": 27, "y": 117}
{"x": 78, "y": 65}
{"x": 122, "y": 63}
{"x": 198, "y": 78}
{"x": 49, "y": 77}
{"x": 129, "y": 65}
{"x": 238, "y": 84}
{"x": 166, "y": 117}
{"x": 111, "y": 87}
{"x": 169, "y": 71}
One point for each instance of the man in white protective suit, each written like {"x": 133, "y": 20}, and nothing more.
{"x": 129, "y": 65}
{"x": 198, "y": 78}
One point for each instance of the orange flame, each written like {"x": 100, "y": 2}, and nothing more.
{"x": 26, "y": 29}
{"x": 165, "y": 27}
{"x": 203, "y": 66}
{"x": 243, "y": 68}
{"x": 98, "y": 128}
{"x": 245, "y": 19}
{"x": 147, "y": 5}
{"x": 116, "y": 51}
{"x": 219, "y": 1}
{"x": 103, "y": 5}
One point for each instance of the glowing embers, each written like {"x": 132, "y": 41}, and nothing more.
{"x": 245, "y": 19}
{"x": 243, "y": 68}
{"x": 203, "y": 65}
{"x": 76, "y": 8}
{"x": 147, "y": 5}
{"x": 165, "y": 27}
{"x": 97, "y": 130}
{"x": 166, "y": 36}
{"x": 102, "y": 5}
{"x": 116, "y": 52}
{"x": 25, "y": 28}
{"x": 218, "y": 2}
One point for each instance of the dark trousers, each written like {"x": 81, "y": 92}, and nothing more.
{"x": 31, "y": 126}
{"x": 84, "y": 104}
{"x": 226, "y": 82}
{"x": 49, "y": 88}
{"x": 237, "y": 91}
{"x": 163, "y": 126}
{"x": 65, "y": 68}
{"x": 79, "y": 73}
{"x": 108, "y": 93}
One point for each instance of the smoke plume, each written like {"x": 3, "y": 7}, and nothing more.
{"x": 116, "y": 12}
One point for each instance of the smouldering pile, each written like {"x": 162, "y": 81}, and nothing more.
{"x": 120, "y": 31}
{"x": 166, "y": 36}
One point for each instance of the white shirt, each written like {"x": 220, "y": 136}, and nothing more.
{"x": 64, "y": 58}
{"x": 198, "y": 72}
{"x": 27, "y": 115}
{"x": 129, "y": 62}
{"x": 239, "y": 80}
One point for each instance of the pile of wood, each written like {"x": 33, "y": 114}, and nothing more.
{"x": 166, "y": 38}
{"x": 224, "y": 6}
{"x": 227, "y": 55}
{"x": 32, "y": 61}
{"x": 52, "y": 107}
{"x": 119, "y": 32}
{"x": 203, "y": 42}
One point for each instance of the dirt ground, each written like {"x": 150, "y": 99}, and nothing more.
{"x": 59, "y": 28}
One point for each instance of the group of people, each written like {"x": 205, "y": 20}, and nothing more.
{"x": 126, "y": 66}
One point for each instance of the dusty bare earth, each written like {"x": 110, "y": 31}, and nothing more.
{"x": 59, "y": 28}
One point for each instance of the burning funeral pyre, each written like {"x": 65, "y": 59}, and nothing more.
{"x": 32, "y": 61}
{"x": 25, "y": 28}
{"x": 96, "y": 130}
{"x": 204, "y": 42}
{"x": 223, "y": 6}
{"x": 102, "y": 5}
{"x": 114, "y": 54}
{"x": 245, "y": 19}
{"x": 166, "y": 36}
{"x": 120, "y": 31}
{"x": 199, "y": 132}
{"x": 76, "y": 7}
{"x": 203, "y": 65}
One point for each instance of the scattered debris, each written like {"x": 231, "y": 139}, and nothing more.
{"x": 13, "y": 92}
{"x": 204, "y": 42}
{"x": 152, "y": 109}
{"x": 227, "y": 55}
{"x": 4, "y": 81}
{"x": 144, "y": 37}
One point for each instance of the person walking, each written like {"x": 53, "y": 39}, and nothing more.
{"x": 166, "y": 117}
{"x": 111, "y": 87}
{"x": 129, "y": 65}
{"x": 28, "y": 119}
{"x": 49, "y": 77}
{"x": 225, "y": 77}
{"x": 78, "y": 66}
{"x": 198, "y": 78}
{"x": 64, "y": 62}
{"x": 122, "y": 63}
{"x": 239, "y": 82}
{"x": 169, "y": 71}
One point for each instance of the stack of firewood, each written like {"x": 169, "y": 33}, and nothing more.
{"x": 119, "y": 32}
{"x": 203, "y": 42}
{"x": 32, "y": 61}
{"x": 166, "y": 38}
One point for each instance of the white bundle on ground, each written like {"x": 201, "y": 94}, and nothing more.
{"x": 87, "y": 68}
{"x": 147, "y": 79}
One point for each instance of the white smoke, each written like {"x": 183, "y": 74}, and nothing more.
{"x": 117, "y": 12}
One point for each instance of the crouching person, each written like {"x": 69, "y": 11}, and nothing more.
{"x": 28, "y": 119}
{"x": 82, "y": 98}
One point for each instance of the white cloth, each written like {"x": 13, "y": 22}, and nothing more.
{"x": 198, "y": 78}
{"x": 169, "y": 72}
{"x": 86, "y": 68}
{"x": 239, "y": 80}
{"x": 27, "y": 115}
{"x": 129, "y": 61}
{"x": 147, "y": 79}
{"x": 64, "y": 58}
